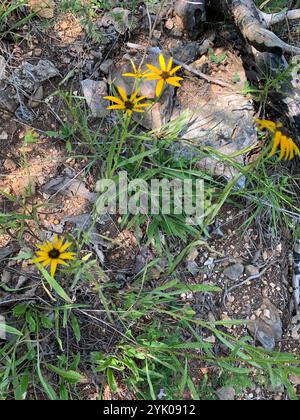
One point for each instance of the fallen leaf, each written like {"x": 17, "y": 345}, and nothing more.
{"x": 43, "y": 8}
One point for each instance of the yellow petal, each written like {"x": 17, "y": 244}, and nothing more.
{"x": 62, "y": 262}
{"x": 130, "y": 75}
{"x": 47, "y": 262}
{"x": 114, "y": 99}
{"x": 170, "y": 64}
{"x": 116, "y": 107}
{"x": 137, "y": 106}
{"x": 45, "y": 247}
{"x": 65, "y": 246}
{"x": 55, "y": 241}
{"x": 173, "y": 82}
{"x": 159, "y": 87}
{"x": 284, "y": 147}
{"x": 162, "y": 62}
{"x": 133, "y": 96}
{"x": 276, "y": 142}
{"x": 122, "y": 93}
{"x": 174, "y": 70}
{"x": 140, "y": 98}
{"x": 60, "y": 243}
{"x": 39, "y": 259}
{"x": 154, "y": 69}
{"x": 53, "y": 267}
{"x": 67, "y": 256}
{"x": 154, "y": 77}
{"x": 42, "y": 253}
{"x": 269, "y": 125}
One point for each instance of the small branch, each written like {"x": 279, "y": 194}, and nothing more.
{"x": 209, "y": 79}
{"x": 273, "y": 18}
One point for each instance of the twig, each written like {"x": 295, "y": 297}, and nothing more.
{"x": 296, "y": 277}
{"x": 156, "y": 50}
{"x": 254, "y": 277}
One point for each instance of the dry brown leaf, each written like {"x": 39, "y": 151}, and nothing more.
{"x": 43, "y": 8}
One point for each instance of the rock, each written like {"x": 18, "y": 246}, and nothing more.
{"x": 2, "y": 67}
{"x": 188, "y": 51}
{"x": 43, "y": 8}
{"x": 120, "y": 18}
{"x": 226, "y": 393}
{"x": 37, "y": 97}
{"x": 215, "y": 117}
{"x": 8, "y": 99}
{"x": 234, "y": 272}
{"x": 191, "y": 13}
{"x": 251, "y": 270}
{"x": 267, "y": 329}
{"x": 192, "y": 267}
{"x": 29, "y": 77}
{"x": 3, "y": 135}
{"x": 142, "y": 259}
{"x": 106, "y": 66}
{"x": 7, "y": 251}
{"x": 67, "y": 184}
{"x": 94, "y": 93}
{"x": 160, "y": 112}
{"x": 192, "y": 256}
{"x": 9, "y": 165}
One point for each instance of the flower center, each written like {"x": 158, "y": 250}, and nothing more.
{"x": 54, "y": 253}
{"x": 129, "y": 105}
{"x": 165, "y": 75}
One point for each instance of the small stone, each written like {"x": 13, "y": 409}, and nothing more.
{"x": 192, "y": 256}
{"x": 37, "y": 97}
{"x": 230, "y": 298}
{"x": 106, "y": 66}
{"x": 94, "y": 93}
{"x": 226, "y": 393}
{"x": 43, "y": 8}
{"x": 3, "y": 135}
{"x": 211, "y": 339}
{"x": 251, "y": 270}
{"x": 192, "y": 267}
{"x": 9, "y": 165}
{"x": 234, "y": 272}
{"x": 267, "y": 329}
{"x": 169, "y": 24}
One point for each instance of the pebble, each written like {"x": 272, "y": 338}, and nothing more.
{"x": 230, "y": 298}
{"x": 3, "y": 135}
{"x": 106, "y": 66}
{"x": 226, "y": 393}
{"x": 234, "y": 272}
{"x": 251, "y": 270}
{"x": 9, "y": 165}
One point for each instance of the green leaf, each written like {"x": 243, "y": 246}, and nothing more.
{"x": 76, "y": 328}
{"x": 54, "y": 285}
{"x": 112, "y": 380}
{"x": 69, "y": 375}
{"x": 10, "y": 330}
{"x": 20, "y": 309}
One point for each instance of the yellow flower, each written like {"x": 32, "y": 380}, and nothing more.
{"x": 288, "y": 147}
{"x": 164, "y": 75}
{"x": 137, "y": 73}
{"x": 54, "y": 254}
{"x": 129, "y": 105}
